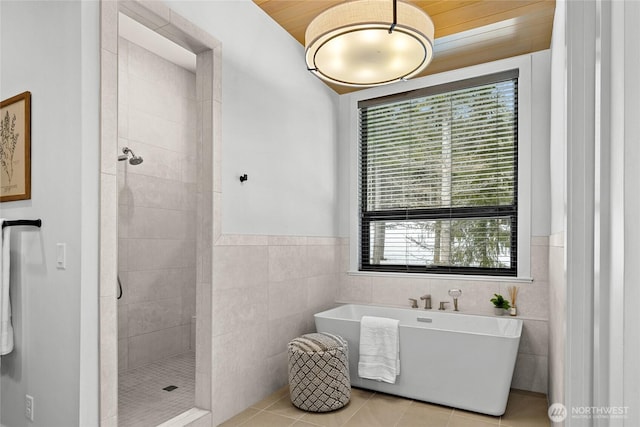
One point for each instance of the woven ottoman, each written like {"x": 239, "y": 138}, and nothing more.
{"x": 319, "y": 372}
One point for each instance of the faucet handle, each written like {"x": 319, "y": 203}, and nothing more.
{"x": 442, "y": 303}
{"x": 455, "y": 292}
{"x": 413, "y": 302}
{"x": 427, "y": 301}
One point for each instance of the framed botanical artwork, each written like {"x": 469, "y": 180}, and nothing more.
{"x": 15, "y": 148}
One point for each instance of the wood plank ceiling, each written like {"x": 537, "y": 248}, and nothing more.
{"x": 467, "y": 32}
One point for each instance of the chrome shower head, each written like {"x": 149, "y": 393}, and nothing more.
{"x": 134, "y": 160}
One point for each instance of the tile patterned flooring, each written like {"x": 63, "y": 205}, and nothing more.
{"x": 142, "y": 402}
{"x": 371, "y": 409}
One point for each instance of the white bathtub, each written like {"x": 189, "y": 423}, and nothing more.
{"x": 451, "y": 359}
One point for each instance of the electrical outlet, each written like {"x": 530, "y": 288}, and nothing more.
{"x": 28, "y": 407}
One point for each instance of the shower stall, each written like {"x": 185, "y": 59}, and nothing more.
{"x": 156, "y": 235}
{"x": 161, "y": 243}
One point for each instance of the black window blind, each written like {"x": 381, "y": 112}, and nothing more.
{"x": 438, "y": 178}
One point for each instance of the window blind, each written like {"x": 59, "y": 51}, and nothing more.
{"x": 438, "y": 179}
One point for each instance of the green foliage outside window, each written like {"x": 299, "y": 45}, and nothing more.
{"x": 437, "y": 157}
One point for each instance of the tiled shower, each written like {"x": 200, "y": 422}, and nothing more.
{"x": 156, "y": 231}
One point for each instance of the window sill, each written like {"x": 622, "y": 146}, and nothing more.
{"x": 458, "y": 277}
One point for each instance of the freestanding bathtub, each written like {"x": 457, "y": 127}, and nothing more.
{"x": 458, "y": 360}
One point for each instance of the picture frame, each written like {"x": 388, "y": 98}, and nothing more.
{"x": 15, "y": 148}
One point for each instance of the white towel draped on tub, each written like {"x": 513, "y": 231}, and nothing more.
{"x": 6, "y": 330}
{"x": 379, "y": 349}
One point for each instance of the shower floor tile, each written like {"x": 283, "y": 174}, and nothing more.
{"x": 142, "y": 402}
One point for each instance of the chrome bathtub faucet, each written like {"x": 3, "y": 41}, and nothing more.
{"x": 413, "y": 302}
{"x": 427, "y": 301}
{"x": 442, "y": 303}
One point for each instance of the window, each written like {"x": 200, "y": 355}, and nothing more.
{"x": 438, "y": 179}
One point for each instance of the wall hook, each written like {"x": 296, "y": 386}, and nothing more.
{"x": 243, "y": 178}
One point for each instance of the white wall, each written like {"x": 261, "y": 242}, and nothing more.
{"x": 278, "y": 126}
{"x": 616, "y": 293}
{"x": 628, "y": 392}
{"x": 582, "y": 264}
{"x": 558, "y": 132}
{"x": 50, "y": 49}
{"x": 540, "y": 123}
{"x": 557, "y": 283}
{"x": 557, "y": 160}
{"x": 596, "y": 346}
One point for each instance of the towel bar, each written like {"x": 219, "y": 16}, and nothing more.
{"x": 31, "y": 222}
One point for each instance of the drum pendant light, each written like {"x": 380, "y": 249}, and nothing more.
{"x": 369, "y": 42}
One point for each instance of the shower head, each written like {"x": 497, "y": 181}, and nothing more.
{"x": 134, "y": 160}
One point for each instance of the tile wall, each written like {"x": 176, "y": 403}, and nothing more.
{"x": 108, "y": 213}
{"x": 533, "y": 305}
{"x": 158, "y": 16}
{"x": 557, "y": 317}
{"x": 265, "y": 292}
{"x": 267, "y": 288}
{"x": 157, "y": 207}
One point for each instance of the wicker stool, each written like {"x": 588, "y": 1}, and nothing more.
{"x": 319, "y": 372}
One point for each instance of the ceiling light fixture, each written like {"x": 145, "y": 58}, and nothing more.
{"x": 369, "y": 42}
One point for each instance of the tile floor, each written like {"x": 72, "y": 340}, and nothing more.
{"x": 142, "y": 402}
{"x": 371, "y": 409}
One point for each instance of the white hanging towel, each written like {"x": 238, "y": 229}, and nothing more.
{"x": 6, "y": 329}
{"x": 379, "y": 349}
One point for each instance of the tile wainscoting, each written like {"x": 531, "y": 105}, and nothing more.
{"x": 265, "y": 292}
{"x": 533, "y": 305}
{"x": 267, "y": 288}
{"x": 557, "y": 330}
